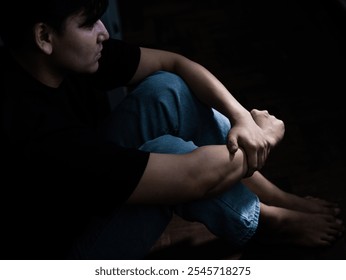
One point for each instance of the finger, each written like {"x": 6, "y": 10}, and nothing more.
{"x": 232, "y": 145}
{"x": 252, "y": 162}
{"x": 262, "y": 157}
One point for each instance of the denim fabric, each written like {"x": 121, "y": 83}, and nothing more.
{"x": 162, "y": 115}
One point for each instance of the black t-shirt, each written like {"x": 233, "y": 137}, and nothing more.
{"x": 57, "y": 170}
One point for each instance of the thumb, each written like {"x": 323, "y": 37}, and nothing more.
{"x": 232, "y": 145}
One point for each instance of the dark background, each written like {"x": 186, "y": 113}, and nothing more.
{"x": 284, "y": 56}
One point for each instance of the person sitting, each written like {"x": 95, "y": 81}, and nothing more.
{"x": 84, "y": 182}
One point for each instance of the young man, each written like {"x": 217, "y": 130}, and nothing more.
{"x": 83, "y": 182}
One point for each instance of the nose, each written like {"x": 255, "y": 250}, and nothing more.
{"x": 103, "y": 34}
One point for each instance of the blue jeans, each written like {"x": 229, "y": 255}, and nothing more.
{"x": 162, "y": 115}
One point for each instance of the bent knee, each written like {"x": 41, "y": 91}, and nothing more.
{"x": 160, "y": 83}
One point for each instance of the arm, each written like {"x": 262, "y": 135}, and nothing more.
{"x": 245, "y": 132}
{"x": 205, "y": 172}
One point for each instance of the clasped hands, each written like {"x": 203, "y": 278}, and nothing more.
{"x": 256, "y": 133}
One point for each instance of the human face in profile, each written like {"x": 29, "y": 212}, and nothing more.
{"x": 78, "y": 47}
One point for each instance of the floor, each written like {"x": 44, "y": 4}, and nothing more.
{"x": 284, "y": 56}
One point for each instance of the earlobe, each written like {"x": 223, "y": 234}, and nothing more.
{"x": 42, "y": 34}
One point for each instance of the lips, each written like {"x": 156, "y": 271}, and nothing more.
{"x": 99, "y": 54}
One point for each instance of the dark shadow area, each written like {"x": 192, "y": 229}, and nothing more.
{"x": 215, "y": 250}
{"x": 284, "y": 56}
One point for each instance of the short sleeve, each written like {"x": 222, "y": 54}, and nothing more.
{"x": 118, "y": 64}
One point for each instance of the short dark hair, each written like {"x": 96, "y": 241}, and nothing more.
{"x": 26, "y": 13}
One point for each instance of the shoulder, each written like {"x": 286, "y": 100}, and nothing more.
{"x": 120, "y": 46}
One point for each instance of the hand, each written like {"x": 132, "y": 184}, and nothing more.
{"x": 257, "y": 135}
{"x": 273, "y": 128}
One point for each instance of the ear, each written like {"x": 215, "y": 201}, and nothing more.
{"x": 42, "y": 35}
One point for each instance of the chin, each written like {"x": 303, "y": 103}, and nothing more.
{"x": 93, "y": 68}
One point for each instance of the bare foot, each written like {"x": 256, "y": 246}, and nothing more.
{"x": 299, "y": 228}
{"x": 270, "y": 194}
{"x": 310, "y": 204}
{"x": 318, "y": 205}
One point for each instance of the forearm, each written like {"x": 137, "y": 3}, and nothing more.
{"x": 202, "y": 82}
{"x": 217, "y": 169}
{"x": 171, "y": 179}
{"x": 209, "y": 89}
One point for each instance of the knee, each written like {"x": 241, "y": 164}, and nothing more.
{"x": 168, "y": 144}
{"x": 162, "y": 83}
{"x": 166, "y": 79}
